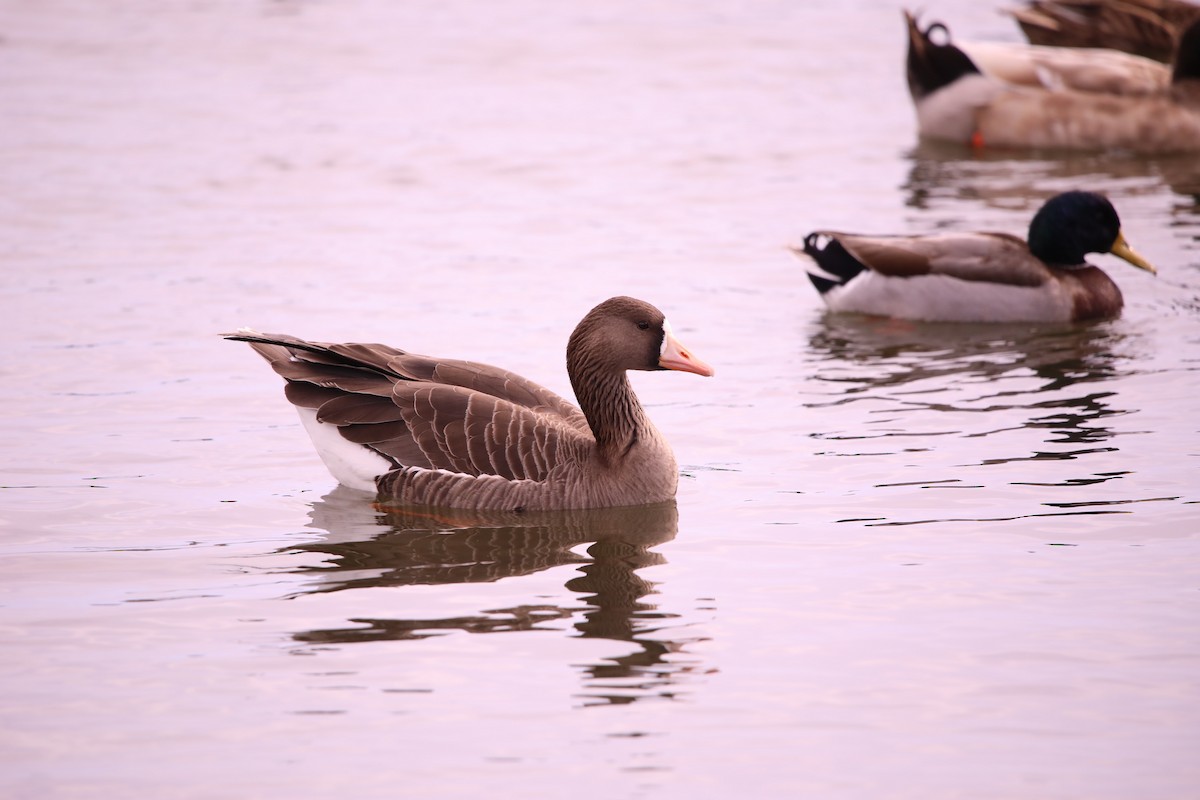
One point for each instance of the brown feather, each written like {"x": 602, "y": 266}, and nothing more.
{"x": 307, "y": 395}
{"x": 375, "y": 433}
{"x": 1145, "y": 27}
{"x": 988, "y": 257}
{"x": 358, "y": 409}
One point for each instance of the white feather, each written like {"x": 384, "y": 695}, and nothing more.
{"x": 949, "y": 113}
{"x": 948, "y": 299}
{"x": 1082, "y": 69}
{"x": 353, "y": 465}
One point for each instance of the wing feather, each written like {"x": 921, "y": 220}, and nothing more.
{"x": 489, "y": 380}
{"x": 478, "y": 434}
{"x": 358, "y": 409}
{"x": 986, "y": 257}
{"x": 457, "y": 416}
{"x": 477, "y": 421}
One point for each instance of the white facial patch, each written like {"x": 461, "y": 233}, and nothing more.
{"x": 667, "y": 336}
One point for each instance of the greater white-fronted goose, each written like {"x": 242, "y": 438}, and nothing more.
{"x": 956, "y": 101}
{"x": 980, "y": 277}
{"x": 437, "y": 432}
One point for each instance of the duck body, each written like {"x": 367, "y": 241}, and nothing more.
{"x": 419, "y": 430}
{"x": 964, "y": 277}
{"x": 979, "y": 277}
{"x": 1021, "y": 117}
{"x": 956, "y": 101}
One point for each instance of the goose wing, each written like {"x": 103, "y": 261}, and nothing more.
{"x": 350, "y": 361}
{"x": 441, "y": 427}
{"x": 418, "y": 411}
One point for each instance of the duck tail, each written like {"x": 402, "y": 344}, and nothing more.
{"x": 837, "y": 266}
{"x": 1187, "y": 55}
{"x": 932, "y": 66}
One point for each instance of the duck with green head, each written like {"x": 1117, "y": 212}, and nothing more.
{"x": 977, "y": 276}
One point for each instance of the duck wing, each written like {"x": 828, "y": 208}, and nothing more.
{"x": 1081, "y": 69}
{"x": 982, "y": 257}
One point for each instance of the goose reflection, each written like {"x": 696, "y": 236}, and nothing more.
{"x": 376, "y": 546}
{"x": 1050, "y": 377}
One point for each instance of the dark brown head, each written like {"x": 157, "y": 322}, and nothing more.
{"x": 624, "y": 333}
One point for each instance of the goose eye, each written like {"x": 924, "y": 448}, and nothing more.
{"x": 643, "y": 326}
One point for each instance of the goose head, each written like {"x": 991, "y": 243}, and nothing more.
{"x": 624, "y": 333}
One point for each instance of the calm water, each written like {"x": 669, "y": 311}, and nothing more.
{"x": 909, "y": 561}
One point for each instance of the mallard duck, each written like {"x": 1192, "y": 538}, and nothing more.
{"x": 425, "y": 431}
{"x": 955, "y": 101}
{"x": 980, "y": 277}
{"x": 1147, "y": 28}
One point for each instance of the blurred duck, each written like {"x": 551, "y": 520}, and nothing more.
{"x": 980, "y": 277}
{"x": 957, "y": 101}
{"x": 1079, "y": 69}
{"x": 1147, "y": 28}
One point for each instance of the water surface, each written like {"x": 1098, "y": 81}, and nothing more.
{"x": 927, "y": 561}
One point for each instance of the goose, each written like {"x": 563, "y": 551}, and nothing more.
{"x": 980, "y": 277}
{"x": 1143, "y": 27}
{"x": 955, "y": 101}
{"x": 425, "y": 431}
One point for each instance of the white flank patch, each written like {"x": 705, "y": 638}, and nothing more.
{"x": 949, "y": 113}
{"x": 352, "y": 464}
{"x": 941, "y": 298}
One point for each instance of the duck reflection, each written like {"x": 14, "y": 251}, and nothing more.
{"x": 376, "y": 546}
{"x": 874, "y": 352}
{"x": 943, "y": 175}
{"x": 1052, "y": 376}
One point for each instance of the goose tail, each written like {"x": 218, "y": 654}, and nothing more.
{"x": 933, "y": 66}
